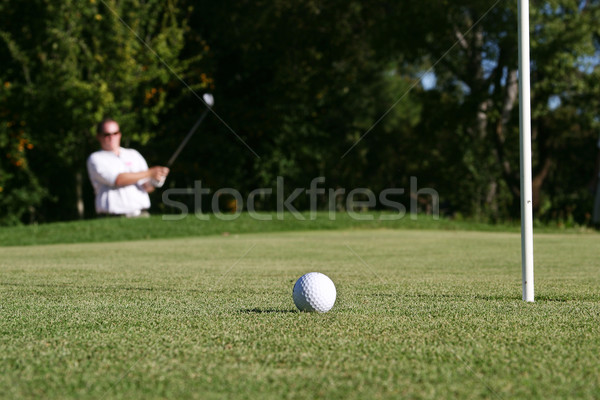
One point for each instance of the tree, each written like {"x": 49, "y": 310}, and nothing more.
{"x": 68, "y": 64}
{"x": 307, "y": 89}
{"x": 472, "y": 47}
{"x": 300, "y": 83}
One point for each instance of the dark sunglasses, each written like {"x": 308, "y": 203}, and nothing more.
{"x": 107, "y": 134}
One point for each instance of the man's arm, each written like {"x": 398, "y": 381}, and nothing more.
{"x": 131, "y": 178}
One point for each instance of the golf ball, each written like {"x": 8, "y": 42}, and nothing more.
{"x": 314, "y": 292}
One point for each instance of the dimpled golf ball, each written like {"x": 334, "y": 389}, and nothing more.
{"x": 314, "y": 292}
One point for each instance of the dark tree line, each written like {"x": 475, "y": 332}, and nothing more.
{"x": 306, "y": 89}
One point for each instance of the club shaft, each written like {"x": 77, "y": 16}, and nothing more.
{"x": 187, "y": 138}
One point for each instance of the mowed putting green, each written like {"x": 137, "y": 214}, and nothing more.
{"x": 419, "y": 314}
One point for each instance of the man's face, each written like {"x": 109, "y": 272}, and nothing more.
{"x": 110, "y": 138}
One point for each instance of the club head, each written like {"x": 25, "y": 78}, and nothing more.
{"x": 208, "y": 99}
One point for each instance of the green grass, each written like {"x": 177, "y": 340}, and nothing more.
{"x": 109, "y": 230}
{"x": 420, "y": 314}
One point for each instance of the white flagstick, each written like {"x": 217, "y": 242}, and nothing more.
{"x": 525, "y": 136}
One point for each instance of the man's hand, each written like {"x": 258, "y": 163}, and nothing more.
{"x": 158, "y": 176}
{"x": 131, "y": 178}
{"x": 158, "y": 173}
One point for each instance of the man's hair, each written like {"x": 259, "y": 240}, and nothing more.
{"x": 100, "y": 126}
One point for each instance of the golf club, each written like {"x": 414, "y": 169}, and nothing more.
{"x": 209, "y": 101}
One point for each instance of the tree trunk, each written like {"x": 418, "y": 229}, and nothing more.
{"x": 538, "y": 181}
{"x": 510, "y": 99}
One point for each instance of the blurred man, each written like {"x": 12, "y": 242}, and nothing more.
{"x": 595, "y": 186}
{"x": 120, "y": 176}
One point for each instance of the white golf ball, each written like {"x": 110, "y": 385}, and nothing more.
{"x": 314, "y": 292}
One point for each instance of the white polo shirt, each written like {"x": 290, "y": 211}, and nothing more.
{"x": 103, "y": 168}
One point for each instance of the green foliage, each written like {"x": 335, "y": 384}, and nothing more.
{"x": 68, "y": 64}
{"x": 473, "y": 110}
{"x": 303, "y": 89}
{"x": 300, "y": 90}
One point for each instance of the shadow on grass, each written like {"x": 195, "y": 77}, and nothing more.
{"x": 266, "y": 311}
